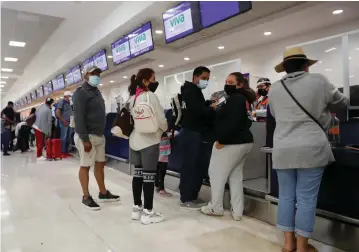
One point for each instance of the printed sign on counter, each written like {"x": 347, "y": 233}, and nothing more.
{"x": 141, "y": 40}
{"x": 100, "y": 60}
{"x": 178, "y": 22}
{"x": 121, "y": 51}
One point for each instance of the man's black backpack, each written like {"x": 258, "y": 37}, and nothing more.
{"x": 176, "y": 106}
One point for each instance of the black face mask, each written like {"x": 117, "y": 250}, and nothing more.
{"x": 230, "y": 89}
{"x": 262, "y": 92}
{"x": 153, "y": 86}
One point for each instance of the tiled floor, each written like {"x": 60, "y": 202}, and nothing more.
{"x": 41, "y": 212}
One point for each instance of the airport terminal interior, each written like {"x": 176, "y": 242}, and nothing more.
{"x": 48, "y": 50}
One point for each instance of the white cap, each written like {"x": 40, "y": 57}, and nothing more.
{"x": 67, "y": 93}
{"x": 92, "y": 69}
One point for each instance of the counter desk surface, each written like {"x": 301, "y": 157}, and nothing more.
{"x": 339, "y": 190}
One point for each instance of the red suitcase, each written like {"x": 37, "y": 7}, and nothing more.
{"x": 48, "y": 148}
{"x": 56, "y": 149}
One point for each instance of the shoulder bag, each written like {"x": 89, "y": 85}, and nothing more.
{"x": 300, "y": 105}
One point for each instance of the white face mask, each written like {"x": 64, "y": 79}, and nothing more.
{"x": 203, "y": 84}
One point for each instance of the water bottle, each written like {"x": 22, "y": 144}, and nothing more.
{"x": 333, "y": 132}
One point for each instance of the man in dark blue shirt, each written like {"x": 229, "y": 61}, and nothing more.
{"x": 7, "y": 120}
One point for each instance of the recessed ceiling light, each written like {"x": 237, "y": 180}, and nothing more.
{"x": 267, "y": 33}
{"x": 158, "y": 31}
{"x": 4, "y": 77}
{"x": 125, "y": 77}
{"x": 6, "y": 70}
{"x": 2, "y": 82}
{"x": 336, "y": 12}
{"x": 352, "y": 76}
{"x": 111, "y": 81}
{"x": 350, "y": 58}
{"x": 10, "y": 59}
{"x": 330, "y": 49}
{"x": 320, "y": 62}
{"x": 1, "y": 86}
{"x": 213, "y": 77}
{"x": 57, "y": 99}
{"x": 186, "y": 58}
{"x": 109, "y": 56}
{"x": 328, "y": 69}
{"x": 160, "y": 65}
{"x": 101, "y": 84}
{"x": 61, "y": 97}
{"x": 220, "y": 47}
{"x": 17, "y": 44}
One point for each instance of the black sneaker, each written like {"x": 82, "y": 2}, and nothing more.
{"x": 6, "y": 154}
{"x": 90, "y": 203}
{"x": 108, "y": 197}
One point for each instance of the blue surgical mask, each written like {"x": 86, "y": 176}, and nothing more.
{"x": 94, "y": 80}
{"x": 203, "y": 84}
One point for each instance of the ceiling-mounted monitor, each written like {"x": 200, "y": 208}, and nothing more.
{"x": 76, "y": 74}
{"x": 40, "y": 92}
{"x": 141, "y": 40}
{"x": 48, "y": 88}
{"x": 60, "y": 83}
{"x": 33, "y": 95}
{"x": 213, "y": 12}
{"x": 181, "y": 21}
{"x": 121, "y": 50}
{"x": 69, "y": 77}
{"x": 100, "y": 60}
{"x": 28, "y": 99}
{"x": 87, "y": 64}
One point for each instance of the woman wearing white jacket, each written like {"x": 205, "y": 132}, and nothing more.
{"x": 144, "y": 147}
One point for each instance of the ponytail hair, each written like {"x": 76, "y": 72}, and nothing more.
{"x": 137, "y": 80}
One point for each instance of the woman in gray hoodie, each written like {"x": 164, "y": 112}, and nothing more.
{"x": 43, "y": 125}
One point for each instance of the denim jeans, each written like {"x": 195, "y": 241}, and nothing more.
{"x": 5, "y": 140}
{"x": 64, "y": 138}
{"x": 298, "y": 194}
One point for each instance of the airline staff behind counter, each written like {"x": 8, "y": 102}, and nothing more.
{"x": 260, "y": 109}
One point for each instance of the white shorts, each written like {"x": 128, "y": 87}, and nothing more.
{"x": 97, "y": 153}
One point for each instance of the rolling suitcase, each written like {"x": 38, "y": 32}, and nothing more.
{"x": 56, "y": 149}
{"x": 49, "y": 149}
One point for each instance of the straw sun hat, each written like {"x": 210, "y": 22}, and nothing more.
{"x": 293, "y": 53}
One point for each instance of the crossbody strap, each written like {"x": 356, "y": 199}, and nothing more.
{"x": 300, "y": 105}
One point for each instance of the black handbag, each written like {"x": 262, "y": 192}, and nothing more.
{"x": 300, "y": 105}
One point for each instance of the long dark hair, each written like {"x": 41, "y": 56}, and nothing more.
{"x": 33, "y": 111}
{"x": 136, "y": 80}
{"x": 249, "y": 93}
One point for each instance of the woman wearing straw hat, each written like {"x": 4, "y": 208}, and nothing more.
{"x": 300, "y": 104}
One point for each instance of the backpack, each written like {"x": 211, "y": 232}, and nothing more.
{"x": 143, "y": 115}
{"x": 176, "y": 105}
{"x": 123, "y": 123}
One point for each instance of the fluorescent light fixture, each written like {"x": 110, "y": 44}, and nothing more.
{"x": 17, "y": 44}
{"x": 111, "y": 81}
{"x": 1, "y": 86}
{"x": 6, "y": 70}
{"x": 267, "y": 33}
{"x": 109, "y": 56}
{"x": 125, "y": 77}
{"x": 10, "y": 59}
{"x": 336, "y": 12}
{"x": 4, "y": 77}
{"x": 2, "y": 82}
{"x": 186, "y": 58}
{"x": 158, "y": 31}
{"x": 161, "y": 66}
{"x": 220, "y": 47}
{"x": 330, "y": 49}
{"x": 328, "y": 69}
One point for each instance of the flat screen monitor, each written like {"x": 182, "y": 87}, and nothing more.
{"x": 213, "y": 12}
{"x": 54, "y": 84}
{"x": 40, "y": 92}
{"x": 181, "y": 21}
{"x": 69, "y": 77}
{"x": 141, "y": 40}
{"x": 100, "y": 60}
{"x": 60, "y": 82}
{"x": 48, "y": 88}
{"x": 33, "y": 95}
{"x": 121, "y": 50}
{"x": 76, "y": 74}
{"x": 28, "y": 98}
{"x": 87, "y": 64}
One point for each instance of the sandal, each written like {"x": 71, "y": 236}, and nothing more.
{"x": 164, "y": 193}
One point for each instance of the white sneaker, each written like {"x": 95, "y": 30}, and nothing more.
{"x": 42, "y": 158}
{"x": 207, "y": 210}
{"x": 148, "y": 217}
{"x": 136, "y": 212}
{"x": 236, "y": 218}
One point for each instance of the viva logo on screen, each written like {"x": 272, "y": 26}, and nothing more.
{"x": 177, "y": 20}
{"x": 121, "y": 48}
{"x": 140, "y": 38}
